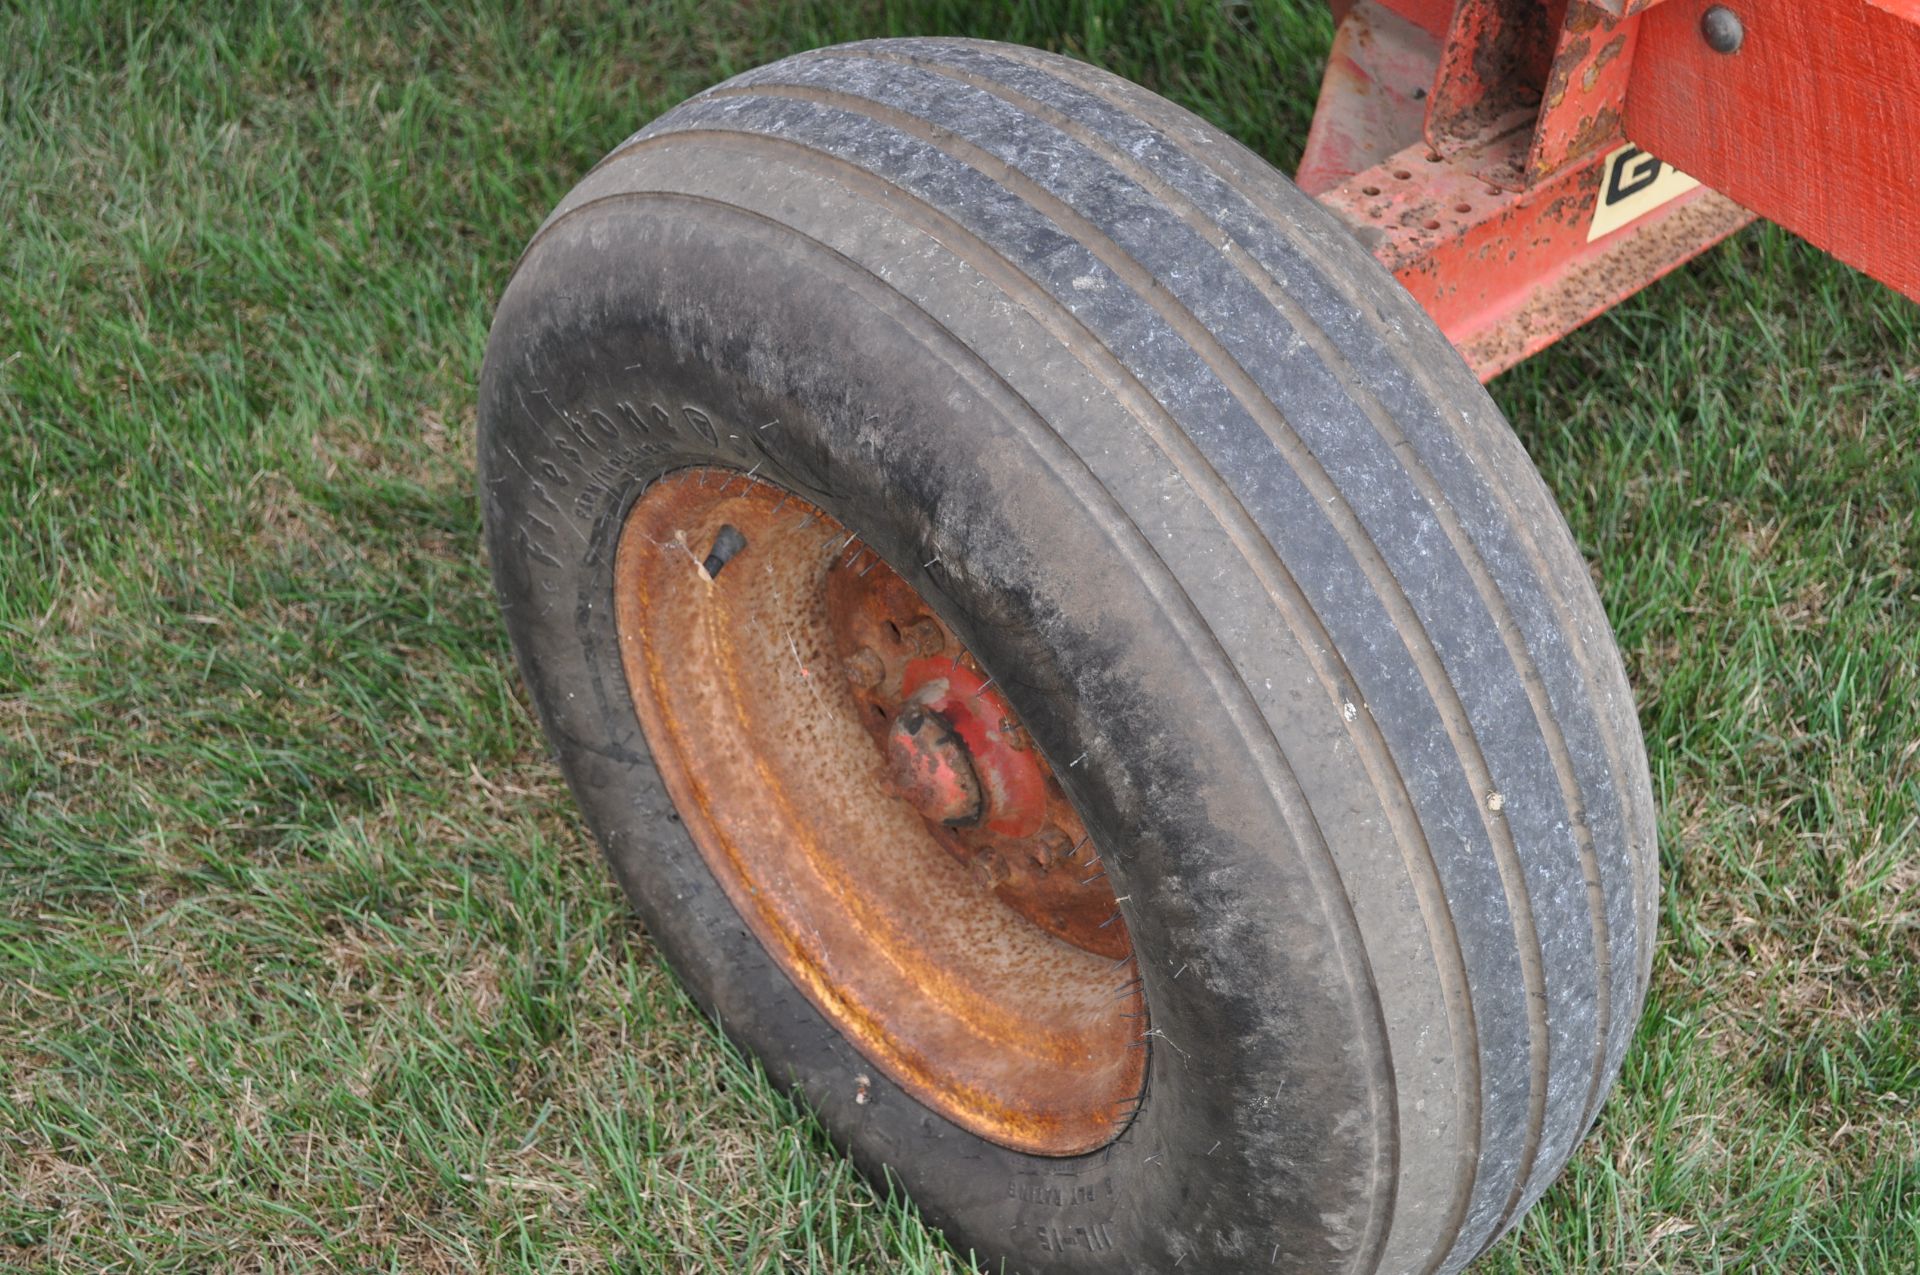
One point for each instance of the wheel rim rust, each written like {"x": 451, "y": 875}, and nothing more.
{"x": 876, "y": 813}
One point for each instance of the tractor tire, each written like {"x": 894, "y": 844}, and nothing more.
{"x": 1070, "y": 667}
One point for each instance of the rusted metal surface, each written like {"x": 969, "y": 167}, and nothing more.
{"x": 1583, "y": 104}
{"x": 1497, "y": 66}
{"x": 1493, "y": 70}
{"x": 984, "y": 965}
{"x": 1495, "y": 57}
{"x": 1488, "y": 217}
{"x": 1015, "y": 843}
{"x": 1373, "y": 97}
{"x": 1014, "y": 786}
{"x": 1504, "y": 273}
{"x": 930, "y": 768}
{"x": 1812, "y": 121}
{"x": 1586, "y": 280}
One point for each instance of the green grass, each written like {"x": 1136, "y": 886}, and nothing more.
{"x": 305, "y": 960}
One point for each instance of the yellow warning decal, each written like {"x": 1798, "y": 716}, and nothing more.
{"x": 1633, "y": 184}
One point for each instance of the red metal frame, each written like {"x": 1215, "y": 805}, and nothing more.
{"x": 1471, "y": 145}
{"x": 1814, "y": 123}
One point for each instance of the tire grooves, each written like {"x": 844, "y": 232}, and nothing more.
{"x": 1085, "y": 79}
{"x": 1295, "y": 811}
{"x": 1638, "y": 853}
{"x": 1512, "y": 544}
{"x": 1315, "y": 643}
{"x": 1281, "y": 588}
{"x": 1171, "y": 125}
{"x": 1241, "y": 385}
{"x": 1190, "y": 213}
{"x": 1588, "y": 662}
{"x": 1559, "y": 755}
{"x": 1378, "y": 414}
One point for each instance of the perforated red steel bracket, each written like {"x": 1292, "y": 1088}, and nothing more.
{"x": 1472, "y": 147}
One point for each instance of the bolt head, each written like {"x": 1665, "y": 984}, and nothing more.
{"x": 990, "y": 870}
{"x": 926, "y": 635}
{"x": 1051, "y": 848}
{"x": 1723, "y": 30}
{"x": 865, "y": 668}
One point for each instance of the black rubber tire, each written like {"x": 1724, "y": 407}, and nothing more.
{"x": 1241, "y": 536}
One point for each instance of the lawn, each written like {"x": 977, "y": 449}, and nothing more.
{"x": 305, "y": 959}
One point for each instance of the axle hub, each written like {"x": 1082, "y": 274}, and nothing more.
{"x": 930, "y": 767}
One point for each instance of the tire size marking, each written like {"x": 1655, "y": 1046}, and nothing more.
{"x": 1061, "y": 1239}
{"x": 1058, "y": 1196}
{"x": 604, "y": 479}
{"x": 1633, "y": 184}
{"x": 591, "y": 442}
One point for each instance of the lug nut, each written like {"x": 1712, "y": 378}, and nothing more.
{"x": 927, "y": 636}
{"x": 1051, "y": 848}
{"x": 989, "y": 869}
{"x": 865, "y": 668}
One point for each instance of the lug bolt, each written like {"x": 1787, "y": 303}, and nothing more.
{"x": 1051, "y": 848}
{"x": 926, "y": 635}
{"x": 1045, "y": 851}
{"x": 989, "y": 869}
{"x": 865, "y": 668}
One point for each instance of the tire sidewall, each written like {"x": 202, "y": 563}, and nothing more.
{"x": 721, "y": 341}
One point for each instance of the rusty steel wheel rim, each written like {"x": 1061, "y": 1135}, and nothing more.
{"x": 875, "y": 812}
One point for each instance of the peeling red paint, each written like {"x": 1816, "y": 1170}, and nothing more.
{"x": 1482, "y": 209}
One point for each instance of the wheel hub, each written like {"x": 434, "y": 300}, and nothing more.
{"x": 931, "y": 769}
{"x": 877, "y": 814}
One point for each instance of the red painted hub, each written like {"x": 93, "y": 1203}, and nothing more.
{"x": 1019, "y": 834}
{"x": 931, "y": 769}
{"x": 1012, "y": 788}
